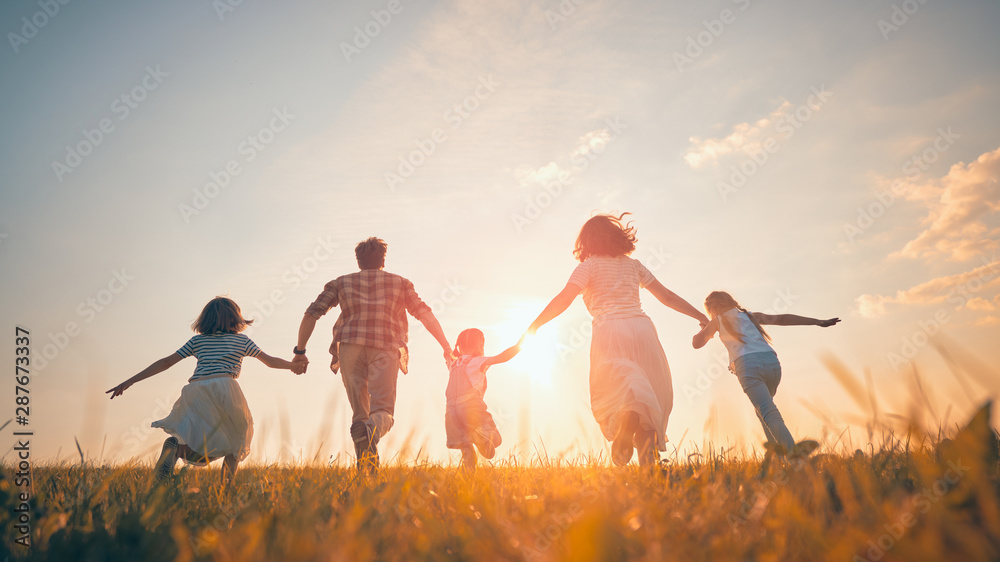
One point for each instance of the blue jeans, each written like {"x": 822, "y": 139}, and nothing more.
{"x": 759, "y": 374}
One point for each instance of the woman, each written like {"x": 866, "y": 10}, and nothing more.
{"x": 630, "y": 389}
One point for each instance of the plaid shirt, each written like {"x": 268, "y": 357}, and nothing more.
{"x": 373, "y": 306}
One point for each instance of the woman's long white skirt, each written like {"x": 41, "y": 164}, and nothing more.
{"x": 629, "y": 372}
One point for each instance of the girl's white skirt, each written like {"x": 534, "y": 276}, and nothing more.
{"x": 212, "y": 418}
{"x": 629, "y": 372}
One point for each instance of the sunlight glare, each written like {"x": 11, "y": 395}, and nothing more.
{"x": 539, "y": 353}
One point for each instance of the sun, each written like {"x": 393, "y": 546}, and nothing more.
{"x": 539, "y": 355}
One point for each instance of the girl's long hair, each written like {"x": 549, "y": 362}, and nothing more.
{"x": 221, "y": 316}
{"x": 467, "y": 341}
{"x": 718, "y": 302}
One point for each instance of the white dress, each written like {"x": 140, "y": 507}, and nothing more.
{"x": 628, "y": 368}
{"x": 212, "y": 416}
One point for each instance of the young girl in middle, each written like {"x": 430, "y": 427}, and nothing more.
{"x": 466, "y": 420}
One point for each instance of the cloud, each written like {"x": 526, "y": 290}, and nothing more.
{"x": 988, "y": 321}
{"x": 541, "y": 176}
{"x": 958, "y": 288}
{"x": 542, "y": 85}
{"x": 961, "y": 205}
{"x": 587, "y": 148}
{"x": 592, "y": 143}
{"x": 745, "y": 137}
{"x": 979, "y": 303}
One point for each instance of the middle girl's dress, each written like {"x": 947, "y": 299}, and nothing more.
{"x": 466, "y": 420}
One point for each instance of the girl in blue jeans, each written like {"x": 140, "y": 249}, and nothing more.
{"x": 754, "y": 361}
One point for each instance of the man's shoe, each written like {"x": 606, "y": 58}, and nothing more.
{"x": 365, "y": 446}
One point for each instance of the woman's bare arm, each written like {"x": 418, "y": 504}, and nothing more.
{"x": 556, "y": 306}
{"x": 671, "y": 300}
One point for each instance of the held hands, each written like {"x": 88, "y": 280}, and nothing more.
{"x": 828, "y": 323}
{"x": 702, "y": 320}
{"x": 528, "y": 334}
{"x": 520, "y": 343}
{"x": 299, "y": 364}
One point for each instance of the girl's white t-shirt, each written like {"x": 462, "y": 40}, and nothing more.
{"x": 753, "y": 340}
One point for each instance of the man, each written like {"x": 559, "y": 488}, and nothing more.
{"x": 369, "y": 341}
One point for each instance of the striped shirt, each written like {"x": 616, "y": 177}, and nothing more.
{"x": 373, "y": 306}
{"x": 218, "y": 354}
{"x": 611, "y": 286}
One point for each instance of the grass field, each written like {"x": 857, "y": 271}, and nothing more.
{"x": 935, "y": 501}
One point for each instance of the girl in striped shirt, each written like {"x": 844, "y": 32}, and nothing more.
{"x": 211, "y": 419}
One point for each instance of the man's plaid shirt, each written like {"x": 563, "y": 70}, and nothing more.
{"x": 373, "y": 306}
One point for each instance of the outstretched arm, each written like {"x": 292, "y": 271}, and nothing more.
{"x": 671, "y": 300}
{"x": 278, "y": 363}
{"x": 793, "y": 320}
{"x": 154, "y": 369}
{"x": 503, "y": 357}
{"x": 434, "y": 327}
{"x": 556, "y": 306}
{"x": 701, "y": 338}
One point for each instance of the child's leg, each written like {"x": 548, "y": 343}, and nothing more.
{"x": 483, "y": 431}
{"x": 229, "y": 467}
{"x": 753, "y": 372}
{"x": 164, "y": 467}
{"x": 188, "y": 454}
{"x": 469, "y": 457}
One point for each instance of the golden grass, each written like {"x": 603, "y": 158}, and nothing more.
{"x": 915, "y": 496}
{"x": 896, "y": 504}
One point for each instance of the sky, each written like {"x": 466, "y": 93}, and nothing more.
{"x": 815, "y": 158}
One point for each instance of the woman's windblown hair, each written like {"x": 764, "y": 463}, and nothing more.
{"x": 605, "y": 235}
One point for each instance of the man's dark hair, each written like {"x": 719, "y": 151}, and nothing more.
{"x": 371, "y": 253}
